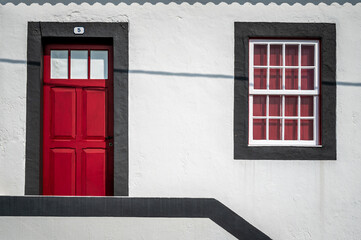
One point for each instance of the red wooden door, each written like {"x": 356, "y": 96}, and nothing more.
{"x": 78, "y": 120}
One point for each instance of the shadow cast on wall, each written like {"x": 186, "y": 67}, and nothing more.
{"x": 116, "y": 2}
{"x": 178, "y": 74}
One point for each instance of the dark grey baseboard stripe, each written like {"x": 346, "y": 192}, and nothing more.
{"x": 131, "y": 207}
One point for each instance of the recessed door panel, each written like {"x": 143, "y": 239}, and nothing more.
{"x": 63, "y": 112}
{"x": 93, "y": 170}
{"x": 95, "y": 113}
{"x": 62, "y": 171}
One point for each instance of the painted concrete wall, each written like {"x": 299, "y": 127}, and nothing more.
{"x": 181, "y": 113}
{"x": 40, "y": 228}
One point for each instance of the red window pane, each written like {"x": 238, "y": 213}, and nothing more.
{"x": 275, "y": 105}
{"x": 276, "y": 55}
{"x": 290, "y": 129}
{"x": 307, "y": 106}
{"x": 275, "y": 129}
{"x": 306, "y": 129}
{"x": 260, "y": 78}
{"x": 291, "y": 80}
{"x": 291, "y": 106}
{"x": 259, "y": 129}
{"x": 259, "y": 105}
{"x": 275, "y": 79}
{"x": 291, "y": 55}
{"x": 307, "y": 79}
{"x": 307, "y": 55}
{"x": 260, "y": 55}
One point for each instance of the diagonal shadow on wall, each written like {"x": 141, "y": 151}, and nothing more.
{"x": 176, "y": 74}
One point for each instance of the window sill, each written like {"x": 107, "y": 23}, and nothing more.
{"x": 283, "y": 145}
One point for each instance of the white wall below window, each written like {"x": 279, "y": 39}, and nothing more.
{"x": 181, "y": 59}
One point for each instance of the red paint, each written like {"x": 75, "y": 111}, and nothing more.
{"x": 94, "y": 113}
{"x": 291, "y": 79}
{"x": 275, "y": 78}
{"x": 307, "y": 55}
{"x": 306, "y": 106}
{"x": 77, "y": 121}
{"x": 275, "y": 106}
{"x": 306, "y": 129}
{"x": 259, "y": 105}
{"x": 290, "y": 129}
{"x": 260, "y": 55}
{"x": 259, "y": 129}
{"x": 275, "y": 55}
{"x": 93, "y": 168}
{"x": 62, "y": 165}
{"x": 291, "y": 56}
{"x": 307, "y": 79}
{"x": 275, "y": 130}
{"x": 63, "y": 112}
{"x": 260, "y": 78}
{"x": 291, "y": 109}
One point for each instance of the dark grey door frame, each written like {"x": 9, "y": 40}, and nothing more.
{"x": 40, "y": 33}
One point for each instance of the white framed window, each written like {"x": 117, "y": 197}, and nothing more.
{"x": 85, "y": 64}
{"x": 284, "y": 92}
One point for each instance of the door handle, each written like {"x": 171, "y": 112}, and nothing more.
{"x": 109, "y": 138}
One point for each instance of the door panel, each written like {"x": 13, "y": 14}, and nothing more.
{"x": 93, "y": 170}
{"x": 63, "y": 112}
{"x": 95, "y": 113}
{"x": 61, "y": 172}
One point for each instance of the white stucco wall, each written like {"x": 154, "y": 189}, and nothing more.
{"x": 40, "y": 228}
{"x": 181, "y": 128}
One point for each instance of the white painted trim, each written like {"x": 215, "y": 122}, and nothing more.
{"x": 283, "y": 92}
{"x": 286, "y": 41}
{"x": 284, "y": 117}
{"x": 283, "y": 143}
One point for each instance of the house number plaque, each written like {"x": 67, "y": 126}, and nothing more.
{"x": 79, "y": 30}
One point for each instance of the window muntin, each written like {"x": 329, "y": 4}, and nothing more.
{"x": 79, "y": 64}
{"x": 284, "y": 92}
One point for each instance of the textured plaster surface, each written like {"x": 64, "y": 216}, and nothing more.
{"x": 110, "y": 228}
{"x": 181, "y": 114}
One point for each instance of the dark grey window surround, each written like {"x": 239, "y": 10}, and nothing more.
{"x": 40, "y": 33}
{"x": 326, "y": 33}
